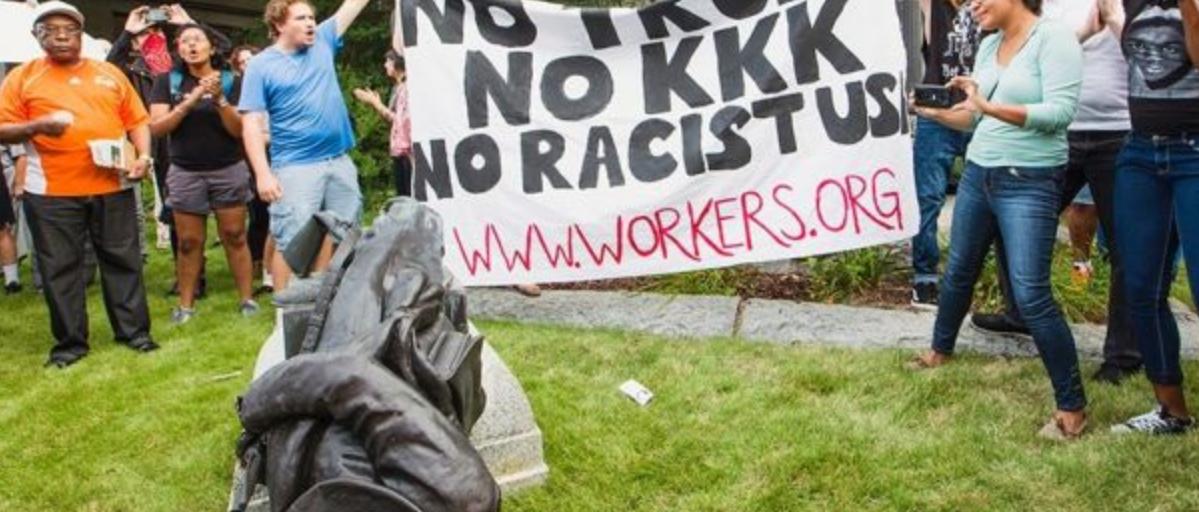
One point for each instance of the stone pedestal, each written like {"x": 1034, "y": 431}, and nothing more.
{"x": 506, "y": 436}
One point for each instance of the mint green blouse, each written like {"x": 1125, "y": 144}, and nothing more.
{"x": 1045, "y": 76}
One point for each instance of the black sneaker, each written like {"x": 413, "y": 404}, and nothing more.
{"x": 1158, "y": 422}
{"x": 143, "y": 344}
{"x": 999, "y": 325}
{"x": 62, "y": 361}
{"x": 12, "y": 288}
{"x": 924, "y": 296}
{"x": 1110, "y": 373}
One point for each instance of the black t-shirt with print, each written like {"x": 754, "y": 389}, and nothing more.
{"x": 953, "y": 42}
{"x": 200, "y": 143}
{"x": 1163, "y": 84}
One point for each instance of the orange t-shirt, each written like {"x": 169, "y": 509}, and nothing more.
{"x": 104, "y": 105}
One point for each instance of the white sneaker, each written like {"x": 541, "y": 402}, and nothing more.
{"x": 1156, "y": 422}
{"x": 182, "y": 315}
{"x": 248, "y": 308}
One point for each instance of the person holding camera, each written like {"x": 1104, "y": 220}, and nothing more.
{"x": 1019, "y": 102}
{"x": 195, "y": 107}
{"x": 60, "y": 105}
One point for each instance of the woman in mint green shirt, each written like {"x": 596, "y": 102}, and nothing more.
{"x": 1020, "y": 100}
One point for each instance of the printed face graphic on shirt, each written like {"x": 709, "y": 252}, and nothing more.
{"x": 1159, "y": 66}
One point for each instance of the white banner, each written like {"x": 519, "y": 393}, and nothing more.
{"x": 564, "y": 144}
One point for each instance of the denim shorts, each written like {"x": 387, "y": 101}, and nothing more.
{"x": 310, "y": 188}
{"x": 201, "y": 192}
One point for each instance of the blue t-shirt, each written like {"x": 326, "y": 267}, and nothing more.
{"x": 301, "y": 94}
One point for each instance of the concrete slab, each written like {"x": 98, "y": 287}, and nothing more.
{"x": 679, "y": 316}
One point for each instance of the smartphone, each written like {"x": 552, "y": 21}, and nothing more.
{"x": 937, "y": 96}
{"x": 157, "y": 15}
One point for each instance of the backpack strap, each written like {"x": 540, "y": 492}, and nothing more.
{"x": 176, "y": 79}
{"x": 227, "y": 78}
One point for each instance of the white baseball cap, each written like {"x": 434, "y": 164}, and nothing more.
{"x": 51, "y": 8}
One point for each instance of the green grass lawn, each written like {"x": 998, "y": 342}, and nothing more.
{"x": 734, "y": 426}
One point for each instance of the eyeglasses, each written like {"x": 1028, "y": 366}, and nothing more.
{"x": 56, "y": 30}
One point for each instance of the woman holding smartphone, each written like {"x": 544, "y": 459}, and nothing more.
{"x": 1019, "y": 102}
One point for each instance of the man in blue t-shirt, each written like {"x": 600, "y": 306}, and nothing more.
{"x": 294, "y": 84}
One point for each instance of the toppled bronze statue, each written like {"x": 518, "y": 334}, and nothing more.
{"x": 374, "y": 409}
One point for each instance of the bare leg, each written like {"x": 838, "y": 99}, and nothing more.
{"x": 8, "y": 259}
{"x": 8, "y": 246}
{"x": 1083, "y": 222}
{"x": 231, "y": 224}
{"x": 325, "y": 256}
{"x": 192, "y": 234}
{"x": 268, "y": 259}
{"x": 280, "y": 272}
{"x": 1173, "y": 399}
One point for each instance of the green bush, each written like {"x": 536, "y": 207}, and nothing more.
{"x": 839, "y": 277}
{"x": 719, "y": 281}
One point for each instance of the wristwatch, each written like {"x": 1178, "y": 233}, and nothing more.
{"x": 149, "y": 160}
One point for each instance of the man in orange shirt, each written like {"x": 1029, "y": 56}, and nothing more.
{"x": 56, "y": 106}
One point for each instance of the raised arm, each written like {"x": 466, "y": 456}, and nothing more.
{"x": 1111, "y": 12}
{"x": 123, "y": 46}
{"x": 1190, "y": 24}
{"x": 1093, "y": 25}
{"x": 347, "y": 13}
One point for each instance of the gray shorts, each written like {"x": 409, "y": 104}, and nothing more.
{"x": 328, "y": 185}
{"x": 201, "y": 192}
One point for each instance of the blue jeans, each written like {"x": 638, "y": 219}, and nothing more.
{"x": 308, "y": 189}
{"x": 1092, "y": 162}
{"x": 1157, "y": 205}
{"x": 934, "y": 151}
{"x": 1020, "y": 204}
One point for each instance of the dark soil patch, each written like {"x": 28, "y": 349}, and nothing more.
{"x": 751, "y": 283}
